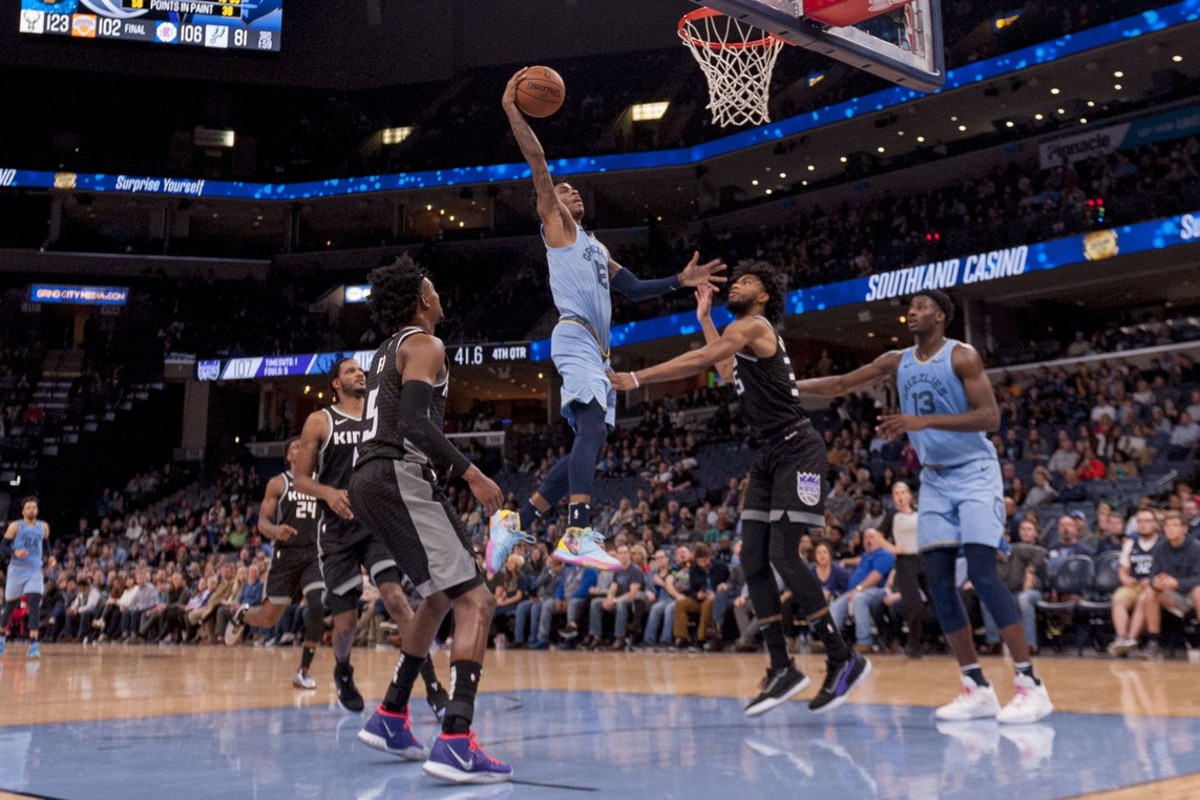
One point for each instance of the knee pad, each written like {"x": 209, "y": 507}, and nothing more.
{"x": 939, "y": 572}
{"x": 995, "y": 596}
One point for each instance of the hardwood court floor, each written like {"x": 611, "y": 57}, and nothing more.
{"x": 607, "y": 724}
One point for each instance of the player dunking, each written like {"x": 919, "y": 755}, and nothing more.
{"x": 581, "y": 273}
{"x": 786, "y": 495}
{"x": 947, "y": 406}
{"x": 344, "y": 544}
{"x": 290, "y": 519}
{"x": 394, "y": 490}
{"x": 24, "y": 539}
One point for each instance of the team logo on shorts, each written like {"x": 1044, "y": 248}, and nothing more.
{"x": 808, "y": 488}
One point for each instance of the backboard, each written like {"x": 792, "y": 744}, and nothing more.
{"x": 903, "y": 44}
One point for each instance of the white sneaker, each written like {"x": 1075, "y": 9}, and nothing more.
{"x": 1030, "y": 703}
{"x": 303, "y": 680}
{"x": 975, "y": 702}
{"x": 1121, "y": 646}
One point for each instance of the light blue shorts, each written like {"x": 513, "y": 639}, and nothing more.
{"x": 583, "y": 371}
{"x": 961, "y": 505}
{"x": 22, "y": 581}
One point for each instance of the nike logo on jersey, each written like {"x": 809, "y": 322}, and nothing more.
{"x": 340, "y": 421}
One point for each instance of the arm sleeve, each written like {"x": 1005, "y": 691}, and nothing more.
{"x": 630, "y": 286}
{"x": 6, "y": 547}
{"x": 415, "y": 397}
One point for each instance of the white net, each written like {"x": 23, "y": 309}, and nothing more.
{"x": 737, "y": 60}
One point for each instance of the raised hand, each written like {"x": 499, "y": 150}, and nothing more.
{"x": 696, "y": 274}
{"x": 704, "y": 296}
{"x": 509, "y": 100}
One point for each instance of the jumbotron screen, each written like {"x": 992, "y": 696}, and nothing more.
{"x": 217, "y": 24}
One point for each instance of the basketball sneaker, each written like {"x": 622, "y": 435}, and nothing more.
{"x": 503, "y": 532}
{"x": 1030, "y": 703}
{"x": 236, "y": 626}
{"x": 975, "y": 702}
{"x": 581, "y": 547}
{"x": 303, "y": 680}
{"x": 779, "y": 686}
{"x": 34, "y": 650}
{"x": 459, "y": 758}
{"x": 392, "y": 733}
{"x": 348, "y": 696}
{"x": 840, "y": 680}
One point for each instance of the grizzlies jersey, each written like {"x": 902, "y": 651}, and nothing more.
{"x": 383, "y": 438}
{"x": 1141, "y": 559}
{"x": 336, "y": 463}
{"x": 579, "y": 282}
{"x": 931, "y": 387}
{"x": 29, "y": 537}
{"x": 301, "y": 512}
{"x": 767, "y": 388}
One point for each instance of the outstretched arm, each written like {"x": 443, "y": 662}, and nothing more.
{"x": 837, "y": 385}
{"x": 704, "y": 295}
{"x": 557, "y": 223}
{"x": 739, "y": 334}
{"x": 983, "y": 416}
{"x": 694, "y": 274}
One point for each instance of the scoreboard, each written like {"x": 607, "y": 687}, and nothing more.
{"x": 215, "y": 24}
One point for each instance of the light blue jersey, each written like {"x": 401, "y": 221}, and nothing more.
{"x": 580, "y": 341}
{"x": 579, "y": 283}
{"x": 931, "y": 387}
{"x": 25, "y": 574}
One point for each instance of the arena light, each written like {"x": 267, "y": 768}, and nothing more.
{"x": 213, "y": 137}
{"x": 1177, "y": 59}
{"x": 1118, "y": 74}
{"x": 649, "y": 112}
{"x": 396, "y": 135}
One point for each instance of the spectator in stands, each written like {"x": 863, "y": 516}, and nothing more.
{"x": 1021, "y": 573}
{"x": 1174, "y": 582}
{"x": 570, "y": 597}
{"x": 622, "y": 592}
{"x": 1088, "y": 467}
{"x": 529, "y": 610}
{"x": 706, "y": 579}
{"x": 661, "y": 593}
{"x": 1065, "y": 457}
{"x": 1191, "y": 516}
{"x": 1134, "y": 571}
{"x": 226, "y": 592}
{"x": 868, "y": 581}
{"x": 88, "y": 599}
{"x": 1042, "y": 491}
{"x": 1112, "y": 528}
{"x": 1185, "y": 436}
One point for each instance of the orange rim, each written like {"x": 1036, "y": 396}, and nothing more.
{"x": 770, "y": 40}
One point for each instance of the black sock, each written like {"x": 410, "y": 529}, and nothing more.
{"x": 579, "y": 515}
{"x": 1151, "y": 637}
{"x": 407, "y": 668}
{"x": 1026, "y": 668}
{"x": 340, "y": 665}
{"x": 776, "y": 644}
{"x": 306, "y": 658}
{"x": 464, "y": 682}
{"x": 975, "y": 673}
{"x": 429, "y": 676}
{"x": 528, "y": 514}
{"x": 835, "y": 647}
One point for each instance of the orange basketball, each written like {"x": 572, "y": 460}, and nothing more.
{"x": 541, "y": 92}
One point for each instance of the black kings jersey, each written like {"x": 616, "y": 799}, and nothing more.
{"x": 770, "y": 401}
{"x": 336, "y": 463}
{"x": 383, "y": 438}
{"x": 301, "y": 512}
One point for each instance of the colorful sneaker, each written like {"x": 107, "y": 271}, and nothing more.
{"x": 302, "y": 680}
{"x": 392, "y": 733}
{"x": 840, "y": 680}
{"x": 461, "y": 759}
{"x": 1030, "y": 703}
{"x": 34, "y": 651}
{"x": 779, "y": 686}
{"x": 581, "y": 546}
{"x": 348, "y": 696}
{"x": 975, "y": 702}
{"x": 504, "y": 531}
{"x": 236, "y": 626}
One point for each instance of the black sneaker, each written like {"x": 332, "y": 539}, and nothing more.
{"x": 779, "y": 686}
{"x": 568, "y": 633}
{"x": 840, "y": 680}
{"x": 348, "y": 696}
{"x": 438, "y": 699}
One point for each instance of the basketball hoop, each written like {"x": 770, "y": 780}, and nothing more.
{"x": 737, "y": 59}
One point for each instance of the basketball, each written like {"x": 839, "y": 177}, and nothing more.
{"x": 541, "y": 92}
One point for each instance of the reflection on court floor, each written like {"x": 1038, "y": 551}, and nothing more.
{"x": 587, "y": 744}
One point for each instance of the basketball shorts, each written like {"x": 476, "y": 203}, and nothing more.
{"x": 583, "y": 370}
{"x": 961, "y": 505}
{"x": 22, "y": 581}
{"x": 345, "y": 546}
{"x": 402, "y": 505}
{"x": 293, "y": 573}
{"x": 787, "y": 478}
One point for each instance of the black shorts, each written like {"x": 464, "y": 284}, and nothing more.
{"x": 293, "y": 573}
{"x": 403, "y": 506}
{"x": 787, "y": 478}
{"x": 345, "y": 547}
